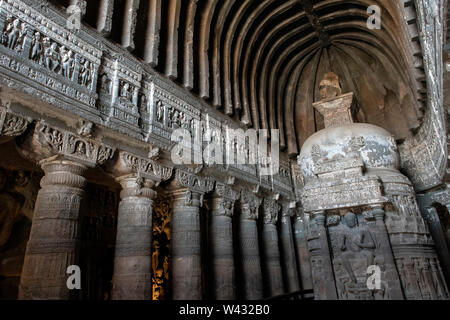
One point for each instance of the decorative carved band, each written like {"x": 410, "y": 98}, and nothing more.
{"x": 193, "y": 182}
{"x": 48, "y": 141}
{"x": 132, "y": 164}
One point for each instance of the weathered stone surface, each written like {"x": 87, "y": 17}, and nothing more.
{"x": 272, "y": 267}
{"x": 76, "y": 97}
{"x": 248, "y": 236}
{"x": 287, "y": 254}
{"x": 54, "y": 238}
{"x": 222, "y": 254}
{"x": 132, "y": 278}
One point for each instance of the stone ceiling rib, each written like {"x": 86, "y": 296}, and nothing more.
{"x": 246, "y": 57}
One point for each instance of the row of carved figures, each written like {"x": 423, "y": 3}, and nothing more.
{"x": 47, "y": 53}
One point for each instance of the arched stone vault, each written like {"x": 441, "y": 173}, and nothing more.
{"x": 260, "y": 61}
{"x": 154, "y": 66}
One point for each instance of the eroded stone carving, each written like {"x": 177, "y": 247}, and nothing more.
{"x": 48, "y": 141}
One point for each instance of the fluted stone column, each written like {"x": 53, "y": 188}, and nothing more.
{"x": 132, "y": 278}
{"x": 248, "y": 237}
{"x": 186, "y": 238}
{"x": 54, "y": 238}
{"x": 272, "y": 266}
{"x": 221, "y": 229}
{"x": 288, "y": 249}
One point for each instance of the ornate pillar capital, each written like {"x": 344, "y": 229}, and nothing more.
{"x": 250, "y": 204}
{"x": 190, "y": 188}
{"x": 193, "y": 182}
{"x": 48, "y": 141}
{"x": 271, "y": 210}
{"x": 224, "y": 198}
{"x": 134, "y": 186}
{"x": 288, "y": 209}
{"x": 11, "y": 125}
{"x": 128, "y": 164}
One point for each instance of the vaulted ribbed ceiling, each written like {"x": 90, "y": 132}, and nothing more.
{"x": 260, "y": 61}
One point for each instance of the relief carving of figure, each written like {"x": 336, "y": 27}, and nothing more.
{"x": 67, "y": 62}
{"x": 85, "y": 73}
{"x": 357, "y": 242}
{"x": 15, "y": 33}
{"x": 52, "y": 57}
{"x": 160, "y": 111}
{"x": 105, "y": 83}
{"x": 36, "y": 49}
{"x": 126, "y": 99}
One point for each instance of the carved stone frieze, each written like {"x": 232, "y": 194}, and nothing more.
{"x": 47, "y": 141}
{"x": 193, "y": 182}
{"x": 128, "y": 163}
{"x": 224, "y": 198}
{"x": 250, "y": 204}
{"x": 11, "y": 124}
{"x": 38, "y": 50}
{"x": 166, "y": 112}
{"x": 348, "y": 193}
{"x": 271, "y": 210}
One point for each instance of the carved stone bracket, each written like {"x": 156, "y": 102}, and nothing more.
{"x": 11, "y": 125}
{"x": 193, "y": 182}
{"x": 288, "y": 210}
{"x": 128, "y": 163}
{"x": 271, "y": 210}
{"x": 250, "y": 204}
{"x": 224, "y": 199}
{"x": 49, "y": 141}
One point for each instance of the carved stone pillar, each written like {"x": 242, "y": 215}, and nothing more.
{"x": 434, "y": 224}
{"x": 288, "y": 250}
{"x": 221, "y": 229}
{"x": 301, "y": 247}
{"x": 272, "y": 266}
{"x": 186, "y": 237}
{"x": 54, "y": 237}
{"x": 390, "y": 272}
{"x": 132, "y": 278}
{"x": 248, "y": 237}
{"x": 322, "y": 268}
